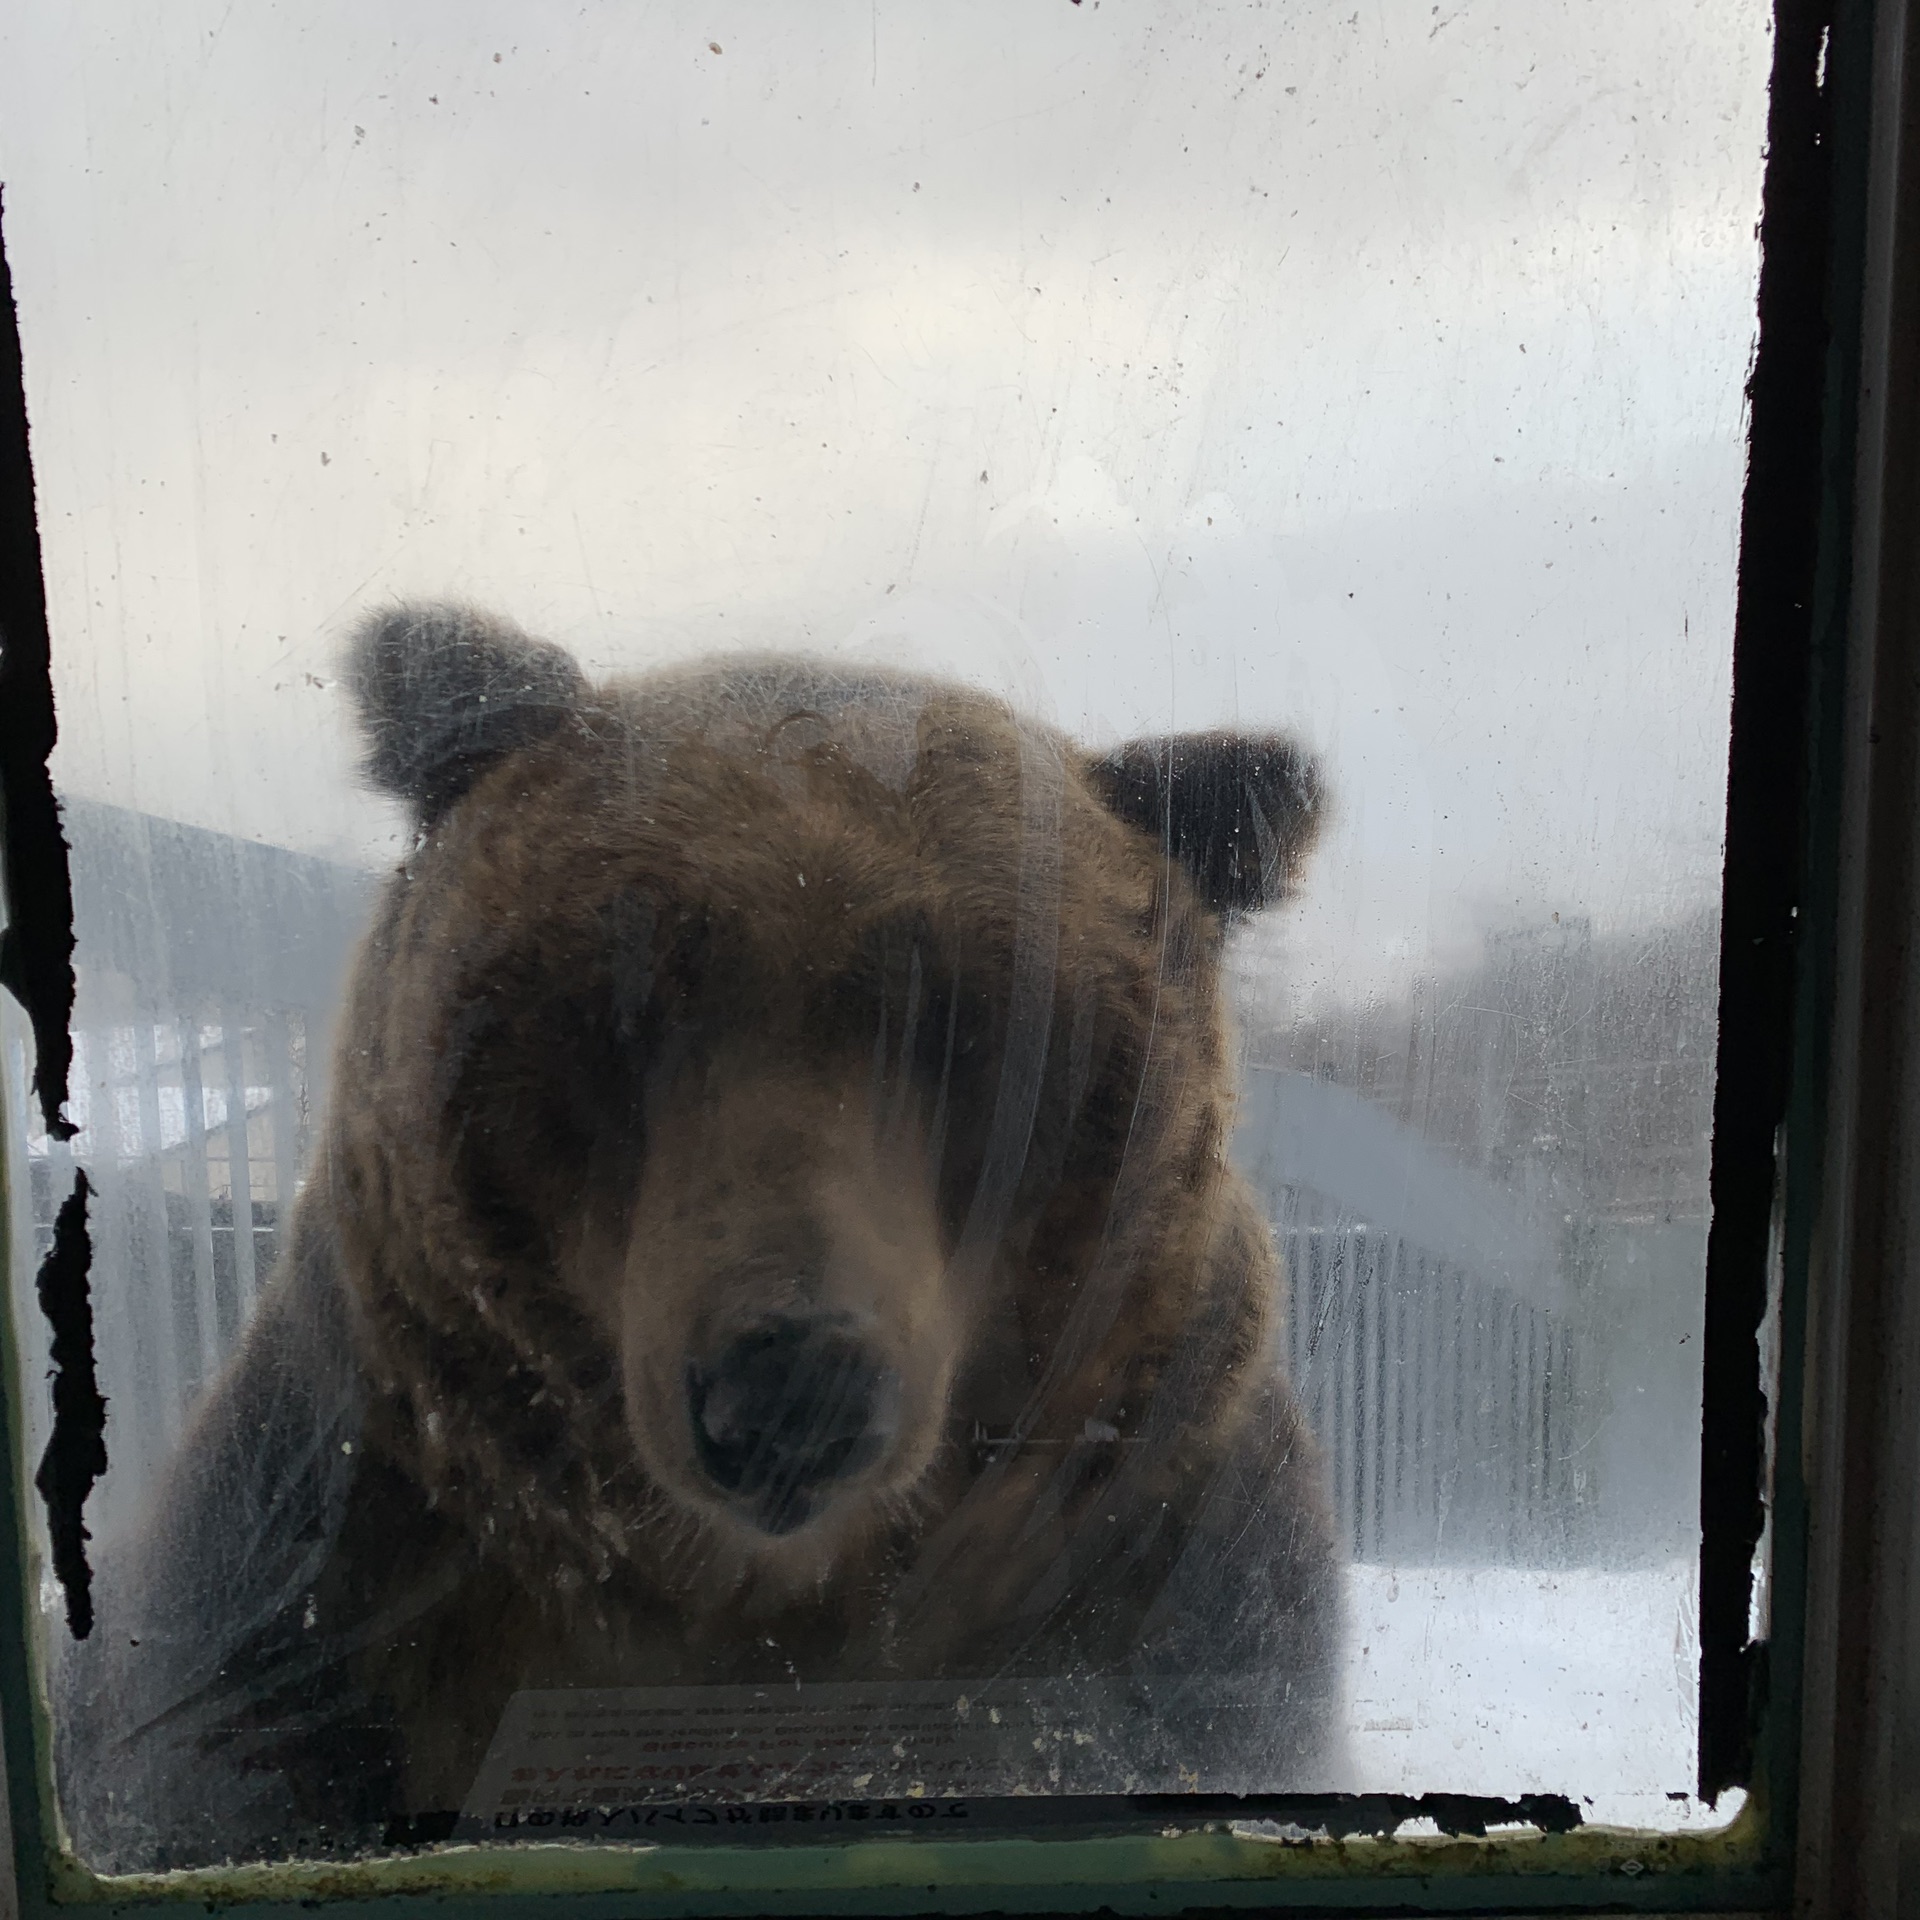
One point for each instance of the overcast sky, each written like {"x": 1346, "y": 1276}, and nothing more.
{"x": 1373, "y": 369}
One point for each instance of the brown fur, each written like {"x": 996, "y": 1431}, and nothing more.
{"x": 764, "y": 988}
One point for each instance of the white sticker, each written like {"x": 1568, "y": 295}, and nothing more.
{"x": 660, "y": 1762}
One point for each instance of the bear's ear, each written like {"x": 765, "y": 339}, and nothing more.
{"x": 444, "y": 691}
{"x": 1239, "y": 811}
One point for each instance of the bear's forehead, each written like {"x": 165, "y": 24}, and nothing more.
{"x": 814, "y": 804}
{"x": 783, "y": 758}
{"x": 765, "y": 713}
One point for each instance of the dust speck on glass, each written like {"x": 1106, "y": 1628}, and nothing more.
{"x": 895, "y": 839}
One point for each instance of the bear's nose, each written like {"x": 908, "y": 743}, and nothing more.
{"x": 787, "y": 1409}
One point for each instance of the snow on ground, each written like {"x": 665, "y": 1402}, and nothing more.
{"x": 1505, "y": 1680}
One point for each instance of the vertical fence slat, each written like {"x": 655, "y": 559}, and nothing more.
{"x": 177, "y": 1346}
{"x": 215, "y": 1326}
{"x": 283, "y": 1119}
{"x": 233, "y": 1052}
{"x": 1376, "y": 1361}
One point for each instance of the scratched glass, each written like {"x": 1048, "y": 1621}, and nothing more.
{"x": 895, "y": 840}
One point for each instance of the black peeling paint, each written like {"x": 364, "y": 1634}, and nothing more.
{"x": 1347, "y": 1816}
{"x": 76, "y": 1454}
{"x": 1774, "y": 669}
{"x": 36, "y": 948}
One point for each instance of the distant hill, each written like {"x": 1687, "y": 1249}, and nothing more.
{"x": 1573, "y": 1069}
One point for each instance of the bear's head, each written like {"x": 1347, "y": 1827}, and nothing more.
{"x": 768, "y": 1078}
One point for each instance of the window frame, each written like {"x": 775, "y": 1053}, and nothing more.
{"x": 1819, "y": 1064}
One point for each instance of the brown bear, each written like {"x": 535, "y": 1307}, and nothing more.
{"x": 775, "y": 1223}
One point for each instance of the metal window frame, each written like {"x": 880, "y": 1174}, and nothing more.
{"x": 1816, "y": 1148}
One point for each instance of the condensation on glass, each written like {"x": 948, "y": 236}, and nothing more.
{"x": 895, "y": 845}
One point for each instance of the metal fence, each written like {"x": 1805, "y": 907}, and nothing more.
{"x": 192, "y": 1133}
{"x": 1428, "y": 1333}
{"x": 1448, "y": 1409}
{"x": 1433, "y": 1336}
{"x": 207, "y": 968}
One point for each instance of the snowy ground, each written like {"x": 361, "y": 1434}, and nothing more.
{"x": 1505, "y": 1681}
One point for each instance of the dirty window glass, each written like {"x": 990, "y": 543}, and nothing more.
{"x": 895, "y": 840}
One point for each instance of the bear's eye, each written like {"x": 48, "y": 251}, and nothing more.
{"x": 955, "y": 1061}
{"x": 497, "y": 1100}
{"x": 909, "y": 999}
{"x": 646, "y": 960}
{"x": 560, "y": 1046}
{"x": 955, "y": 1032}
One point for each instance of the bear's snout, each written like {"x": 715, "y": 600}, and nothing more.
{"x": 786, "y": 1411}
